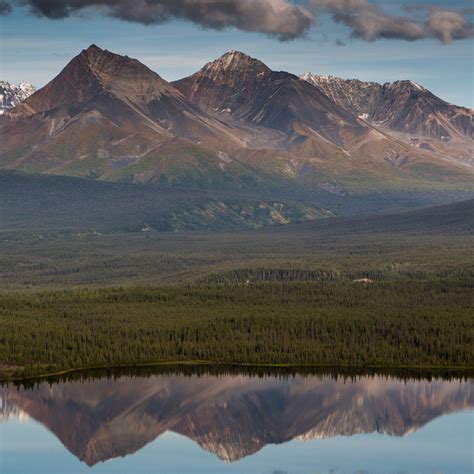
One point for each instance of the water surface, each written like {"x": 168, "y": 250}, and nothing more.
{"x": 238, "y": 424}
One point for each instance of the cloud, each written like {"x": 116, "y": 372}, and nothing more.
{"x": 448, "y": 25}
{"x": 368, "y": 21}
{"x": 5, "y": 7}
{"x": 280, "y": 18}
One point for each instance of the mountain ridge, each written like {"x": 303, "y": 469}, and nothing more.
{"x": 96, "y": 76}
{"x": 246, "y": 89}
{"x": 402, "y": 105}
{"x": 234, "y": 125}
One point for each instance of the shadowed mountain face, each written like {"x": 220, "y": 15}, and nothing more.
{"x": 229, "y": 416}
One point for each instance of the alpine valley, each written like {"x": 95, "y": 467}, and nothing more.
{"x": 236, "y": 144}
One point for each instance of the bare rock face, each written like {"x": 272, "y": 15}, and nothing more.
{"x": 360, "y": 98}
{"x": 12, "y": 94}
{"x": 101, "y": 107}
{"x": 117, "y": 88}
{"x": 226, "y": 84}
{"x": 244, "y": 88}
{"x": 402, "y": 106}
{"x": 410, "y": 108}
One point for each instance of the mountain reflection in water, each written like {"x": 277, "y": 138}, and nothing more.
{"x": 231, "y": 416}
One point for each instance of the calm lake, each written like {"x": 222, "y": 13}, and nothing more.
{"x": 238, "y": 424}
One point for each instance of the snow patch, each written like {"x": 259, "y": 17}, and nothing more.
{"x": 11, "y": 95}
{"x": 417, "y": 86}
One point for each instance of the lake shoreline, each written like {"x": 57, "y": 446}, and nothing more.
{"x": 224, "y": 367}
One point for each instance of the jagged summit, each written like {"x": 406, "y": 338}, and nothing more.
{"x": 355, "y": 96}
{"x": 245, "y": 88}
{"x": 403, "y": 106}
{"x": 312, "y": 77}
{"x": 407, "y": 86}
{"x": 406, "y": 83}
{"x": 93, "y": 52}
{"x": 225, "y": 84}
{"x": 236, "y": 61}
{"x": 100, "y": 59}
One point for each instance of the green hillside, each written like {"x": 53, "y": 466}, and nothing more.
{"x": 49, "y": 203}
{"x": 57, "y": 203}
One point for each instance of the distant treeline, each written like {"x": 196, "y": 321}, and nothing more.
{"x": 392, "y": 324}
{"x": 286, "y": 254}
{"x": 188, "y": 370}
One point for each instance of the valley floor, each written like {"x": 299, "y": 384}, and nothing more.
{"x": 393, "y": 291}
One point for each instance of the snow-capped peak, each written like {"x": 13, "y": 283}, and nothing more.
{"x": 12, "y": 94}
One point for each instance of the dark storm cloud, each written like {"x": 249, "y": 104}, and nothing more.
{"x": 280, "y": 18}
{"x": 369, "y": 22}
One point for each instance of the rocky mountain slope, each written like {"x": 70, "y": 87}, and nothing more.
{"x": 12, "y": 94}
{"x": 103, "y": 106}
{"x": 402, "y": 106}
{"x": 329, "y": 144}
{"x": 231, "y": 417}
{"x": 243, "y": 88}
{"x": 235, "y": 125}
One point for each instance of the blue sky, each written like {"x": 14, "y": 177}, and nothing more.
{"x": 36, "y": 49}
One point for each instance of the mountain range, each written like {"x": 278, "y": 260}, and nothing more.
{"x": 232, "y": 416}
{"x": 13, "y": 94}
{"x": 238, "y": 126}
{"x": 401, "y": 106}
